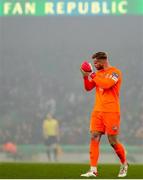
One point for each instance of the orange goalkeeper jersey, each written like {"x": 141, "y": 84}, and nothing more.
{"x": 107, "y": 83}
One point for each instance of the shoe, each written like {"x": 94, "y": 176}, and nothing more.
{"x": 123, "y": 170}
{"x": 89, "y": 174}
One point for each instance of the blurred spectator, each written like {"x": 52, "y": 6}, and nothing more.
{"x": 10, "y": 149}
{"x": 51, "y": 136}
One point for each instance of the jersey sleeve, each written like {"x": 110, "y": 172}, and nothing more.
{"x": 107, "y": 81}
{"x": 88, "y": 85}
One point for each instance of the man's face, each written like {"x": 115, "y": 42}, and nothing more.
{"x": 99, "y": 63}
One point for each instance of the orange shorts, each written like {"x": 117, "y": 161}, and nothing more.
{"x": 106, "y": 122}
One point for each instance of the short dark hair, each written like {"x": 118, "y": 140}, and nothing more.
{"x": 99, "y": 55}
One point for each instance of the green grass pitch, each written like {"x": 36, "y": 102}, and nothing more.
{"x": 63, "y": 171}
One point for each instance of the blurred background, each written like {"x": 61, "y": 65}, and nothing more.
{"x": 39, "y": 74}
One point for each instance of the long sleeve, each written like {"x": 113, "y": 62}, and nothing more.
{"x": 106, "y": 82}
{"x": 88, "y": 85}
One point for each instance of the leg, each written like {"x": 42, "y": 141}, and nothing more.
{"x": 94, "y": 147}
{"x": 118, "y": 147}
{"x": 48, "y": 151}
{"x": 120, "y": 151}
{"x": 94, "y": 154}
{"x": 55, "y": 152}
{"x": 112, "y": 125}
{"x": 96, "y": 129}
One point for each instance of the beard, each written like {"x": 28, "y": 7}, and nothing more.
{"x": 99, "y": 67}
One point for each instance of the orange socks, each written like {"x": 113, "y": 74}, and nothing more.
{"x": 120, "y": 151}
{"x": 94, "y": 151}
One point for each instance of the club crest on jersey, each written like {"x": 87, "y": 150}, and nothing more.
{"x": 115, "y": 76}
{"x": 114, "y": 128}
{"x": 107, "y": 76}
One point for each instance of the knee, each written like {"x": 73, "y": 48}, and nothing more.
{"x": 95, "y": 136}
{"x": 112, "y": 140}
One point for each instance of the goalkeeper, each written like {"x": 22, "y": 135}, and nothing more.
{"x": 105, "y": 117}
